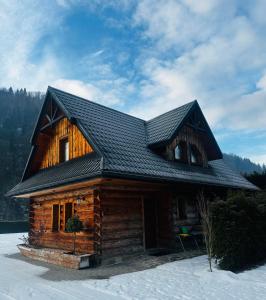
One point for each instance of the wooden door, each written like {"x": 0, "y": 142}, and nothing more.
{"x": 150, "y": 223}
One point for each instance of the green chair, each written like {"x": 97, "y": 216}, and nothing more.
{"x": 185, "y": 232}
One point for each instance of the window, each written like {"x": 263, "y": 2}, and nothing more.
{"x": 181, "y": 206}
{"x": 195, "y": 155}
{"x": 55, "y": 217}
{"x": 61, "y": 214}
{"x": 68, "y": 212}
{"x": 63, "y": 150}
{"x": 178, "y": 152}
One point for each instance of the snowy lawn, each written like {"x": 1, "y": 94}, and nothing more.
{"x": 187, "y": 279}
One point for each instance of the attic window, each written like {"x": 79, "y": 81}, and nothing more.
{"x": 63, "y": 150}
{"x": 195, "y": 155}
{"x": 180, "y": 151}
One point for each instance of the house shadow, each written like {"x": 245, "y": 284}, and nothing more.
{"x": 133, "y": 264}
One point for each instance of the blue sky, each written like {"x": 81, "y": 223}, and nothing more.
{"x": 146, "y": 57}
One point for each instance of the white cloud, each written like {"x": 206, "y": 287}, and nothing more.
{"x": 181, "y": 24}
{"x": 211, "y": 50}
{"x": 259, "y": 159}
{"x": 21, "y": 29}
{"x": 88, "y": 91}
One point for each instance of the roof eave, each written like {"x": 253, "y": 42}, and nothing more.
{"x": 21, "y": 194}
{"x": 120, "y": 174}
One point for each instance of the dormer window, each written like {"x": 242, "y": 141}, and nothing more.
{"x": 195, "y": 155}
{"x": 63, "y": 150}
{"x": 180, "y": 151}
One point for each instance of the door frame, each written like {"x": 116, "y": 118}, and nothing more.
{"x": 143, "y": 198}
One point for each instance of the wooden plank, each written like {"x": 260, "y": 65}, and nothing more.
{"x": 50, "y": 151}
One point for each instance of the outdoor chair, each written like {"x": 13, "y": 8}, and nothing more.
{"x": 186, "y": 232}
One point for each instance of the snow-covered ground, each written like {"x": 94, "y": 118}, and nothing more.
{"x": 187, "y": 279}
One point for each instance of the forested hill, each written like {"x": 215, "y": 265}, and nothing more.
{"x": 18, "y": 112}
{"x": 242, "y": 165}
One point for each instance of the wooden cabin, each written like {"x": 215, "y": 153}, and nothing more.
{"x": 131, "y": 182}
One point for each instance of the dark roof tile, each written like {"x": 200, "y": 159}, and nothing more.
{"x": 123, "y": 141}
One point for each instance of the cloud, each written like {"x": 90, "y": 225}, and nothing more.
{"x": 259, "y": 159}
{"x": 89, "y": 91}
{"x": 21, "y": 29}
{"x": 212, "y": 50}
{"x": 21, "y": 34}
{"x": 97, "y": 5}
{"x": 149, "y": 56}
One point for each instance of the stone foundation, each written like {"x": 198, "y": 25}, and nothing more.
{"x": 58, "y": 257}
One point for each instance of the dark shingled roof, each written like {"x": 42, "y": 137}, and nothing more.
{"x": 162, "y": 128}
{"x": 121, "y": 143}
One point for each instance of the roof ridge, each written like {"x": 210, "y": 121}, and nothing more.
{"x": 96, "y": 103}
{"x": 187, "y": 104}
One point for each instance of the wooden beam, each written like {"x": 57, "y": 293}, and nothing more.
{"x": 52, "y": 122}
{"x": 48, "y": 118}
{"x": 101, "y": 184}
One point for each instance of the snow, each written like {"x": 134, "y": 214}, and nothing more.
{"x": 186, "y": 279}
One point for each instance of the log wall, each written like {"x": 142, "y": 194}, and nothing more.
{"x": 41, "y": 218}
{"x": 113, "y": 217}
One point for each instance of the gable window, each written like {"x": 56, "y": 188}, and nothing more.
{"x": 195, "y": 155}
{"x": 63, "y": 150}
{"x": 180, "y": 151}
{"x": 55, "y": 217}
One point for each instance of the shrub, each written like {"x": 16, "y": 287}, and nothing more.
{"x": 74, "y": 225}
{"x": 239, "y": 230}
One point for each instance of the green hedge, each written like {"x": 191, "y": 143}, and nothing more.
{"x": 239, "y": 230}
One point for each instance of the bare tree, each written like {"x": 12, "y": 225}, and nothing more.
{"x": 206, "y": 221}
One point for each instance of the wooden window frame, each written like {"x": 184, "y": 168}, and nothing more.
{"x": 183, "y": 151}
{"x": 58, "y": 217}
{"x": 181, "y": 209}
{"x": 62, "y": 152}
{"x": 193, "y": 150}
{"x": 61, "y": 215}
{"x": 65, "y": 210}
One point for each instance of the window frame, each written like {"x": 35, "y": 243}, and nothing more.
{"x": 181, "y": 209}
{"x": 179, "y": 152}
{"x": 65, "y": 213}
{"x": 55, "y": 225}
{"x": 182, "y": 149}
{"x": 193, "y": 150}
{"x": 64, "y": 149}
{"x": 61, "y": 216}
